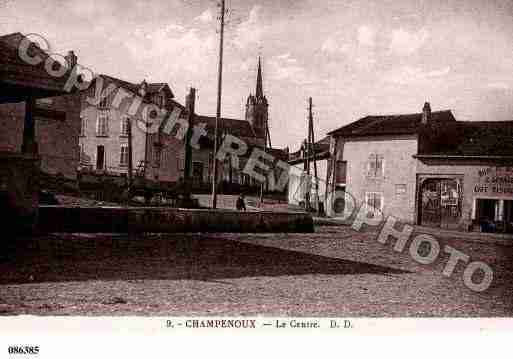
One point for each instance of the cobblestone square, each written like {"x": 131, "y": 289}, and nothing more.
{"x": 335, "y": 272}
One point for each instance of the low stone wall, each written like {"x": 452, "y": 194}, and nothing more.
{"x": 168, "y": 220}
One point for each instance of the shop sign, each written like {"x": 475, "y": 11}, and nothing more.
{"x": 495, "y": 180}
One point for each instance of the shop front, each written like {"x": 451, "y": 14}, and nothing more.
{"x": 440, "y": 201}
{"x": 492, "y": 209}
{"x": 465, "y": 195}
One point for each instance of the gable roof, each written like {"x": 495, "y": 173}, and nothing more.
{"x": 442, "y": 136}
{"x": 156, "y": 87}
{"x": 390, "y": 124}
{"x": 468, "y": 138}
{"x": 279, "y": 153}
{"x": 122, "y": 83}
{"x": 322, "y": 151}
{"x": 134, "y": 88}
{"x": 237, "y": 128}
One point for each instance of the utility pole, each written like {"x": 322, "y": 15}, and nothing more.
{"x": 190, "y": 104}
{"x": 312, "y": 147}
{"x": 130, "y": 163}
{"x": 218, "y": 113}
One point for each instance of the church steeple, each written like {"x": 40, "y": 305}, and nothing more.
{"x": 257, "y": 107}
{"x": 259, "y": 88}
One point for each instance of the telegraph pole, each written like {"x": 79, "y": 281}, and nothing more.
{"x": 190, "y": 104}
{"x": 312, "y": 146}
{"x": 218, "y": 113}
{"x": 130, "y": 163}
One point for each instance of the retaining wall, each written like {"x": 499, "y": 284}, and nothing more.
{"x": 168, "y": 220}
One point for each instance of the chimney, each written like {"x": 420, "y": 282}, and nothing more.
{"x": 71, "y": 60}
{"x": 426, "y": 113}
{"x": 143, "y": 88}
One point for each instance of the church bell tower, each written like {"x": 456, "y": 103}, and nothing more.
{"x": 257, "y": 107}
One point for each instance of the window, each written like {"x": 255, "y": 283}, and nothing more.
{"x": 158, "y": 156}
{"x": 102, "y": 125}
{"x": 100, "y": 157}
{"x": 197, "y": 172}
{"x": 82, "y": 126}
{"x": 159, "y": 100}
{"x": 400, "y": 189}
{"x": 375, "y": 165}
{"x": 340, "y": 174}
{"x": 374, "y": 201}
{"x": 123, "y": 155}
{"x": 81, "y": 157}
{"x": 125, "y": 122}
{"x": 245, "y": 179}
{"x": 103, "y": 103}
{"x": 236, "y": 178}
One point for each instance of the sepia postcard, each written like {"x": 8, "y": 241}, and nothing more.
{"x": 310, "y": 168}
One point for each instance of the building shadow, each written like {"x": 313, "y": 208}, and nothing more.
{"x": 65, "y": 258}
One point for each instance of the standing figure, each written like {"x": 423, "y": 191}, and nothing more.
{"x": 241, "y": 206}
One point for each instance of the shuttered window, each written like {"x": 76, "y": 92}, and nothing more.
{"x": 374, "y": 201}
{"x": 124, "y": 126}
{"x": 123, "y": 155}
{"x": 375, "y": 165}
{"x": 102, "y": 124}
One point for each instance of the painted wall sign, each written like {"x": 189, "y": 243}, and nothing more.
{"x": 495, "y": 180}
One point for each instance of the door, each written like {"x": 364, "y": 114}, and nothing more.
{"x": 100, "y": 158}
{"x": 450, "y": 203}
{"x": 197, "y": 173}
{"x": 440, "y": 203}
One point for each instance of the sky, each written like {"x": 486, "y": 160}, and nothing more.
{"x": 354, "y": 58}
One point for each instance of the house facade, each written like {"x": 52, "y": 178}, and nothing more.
{"x": 109, "y": 105}
{"x": 428, "y": 169}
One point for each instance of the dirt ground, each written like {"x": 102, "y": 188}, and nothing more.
{"x": 335, "y": 272}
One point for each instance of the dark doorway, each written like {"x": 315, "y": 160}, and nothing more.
{"x": 440, "y": 203}
{"x": 100, "y": 157}
{"x": 197, "y": 173}
{"x": 485, "y": 209}
{"x": 508, "y": 216}
{"x": 494, "y": 215}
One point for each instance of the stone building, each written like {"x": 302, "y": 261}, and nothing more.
{"x": 108, "y": 107}
{"x": 428, "y": 169}
{"x": 86, "y": 132}
{"x": 158, "y": 154}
